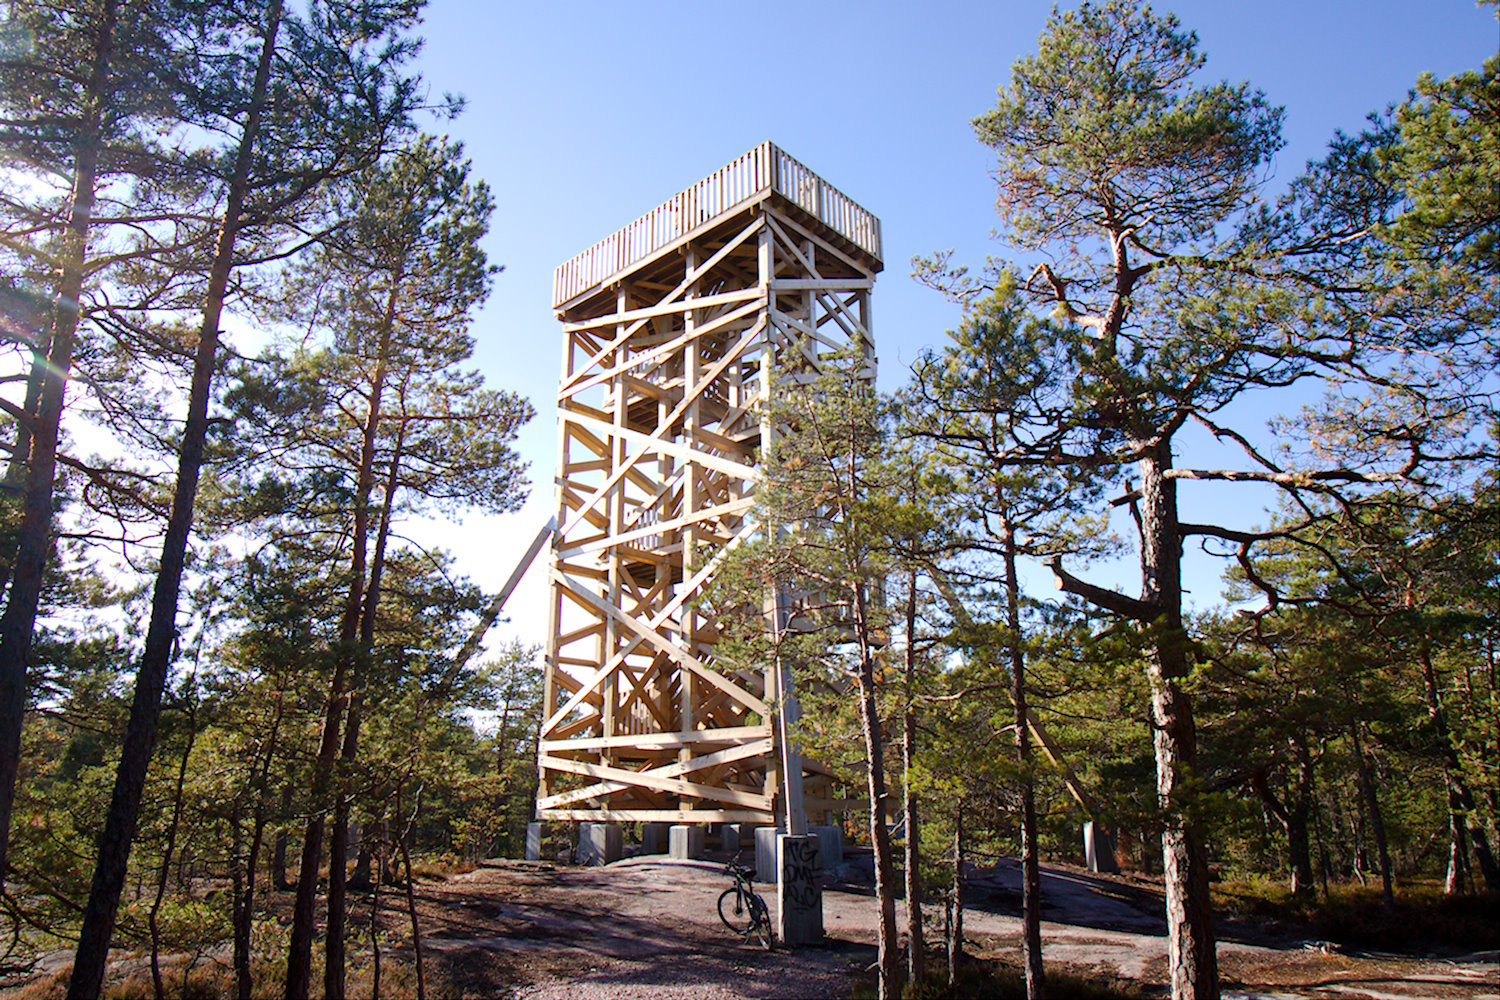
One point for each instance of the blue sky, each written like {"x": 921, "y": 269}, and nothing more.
{"x": 583, "y": 115}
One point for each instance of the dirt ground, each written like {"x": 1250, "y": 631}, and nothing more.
{"x": 647, "y": 928}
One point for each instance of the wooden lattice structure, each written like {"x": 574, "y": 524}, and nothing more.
{"x": 673, "y": 327}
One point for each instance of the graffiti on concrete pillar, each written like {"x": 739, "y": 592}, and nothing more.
{"x": 801, "y": 874}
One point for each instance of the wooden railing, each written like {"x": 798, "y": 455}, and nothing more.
{"x": 764, "y": 167}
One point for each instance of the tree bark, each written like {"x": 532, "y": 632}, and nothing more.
{"x": 916, "y": 942}
{"x": 161, "y": 634}
{"x": 1458, "y": 849}
{"x": 1294, "y": 822}
{"x": 279, "y": 845}
{"x": 1191, "y": 954}
{"x": 20, "y": 457}
{"x": 157, "y": 985}
{"x": 375, "y": 921}
{"x": 244, "y": 893}
{"x": 411, "y": 888}
{"x": 364, "y": 599}
{"x": 956, "y": 898}
{"x": 28, "y": 568}
{"x": 1377, "y": 823}
{"x": 1031, "y": 871}
{"x": 880, "y": 838}
{"x": 1460, "y": 798}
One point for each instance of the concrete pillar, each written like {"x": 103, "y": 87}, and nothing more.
{"x": 654, "y": 838}
{"x": 687, "y": 841}
{"x": 1099, "y": 849}
{"x": 799, "y": 890}
{"x": 534, "y": 833}
{"x": 729, "y": 836}
{"x": 599, "y": 843}
{"x": 580, "y": 849}
{"x": 765, "y": 854}
{"x": 830, "y": 844}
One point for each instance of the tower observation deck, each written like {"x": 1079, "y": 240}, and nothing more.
{"x": 676, "y": 329}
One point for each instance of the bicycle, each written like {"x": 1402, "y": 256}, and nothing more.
{"x": 743, "y": 911}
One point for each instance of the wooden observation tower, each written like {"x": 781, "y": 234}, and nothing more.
{"x": 673, "y": 330}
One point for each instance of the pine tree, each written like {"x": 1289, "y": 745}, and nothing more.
{"x": 1112, "y": 163}
{"x": 386, "y": 421}
{"x": 823, "y": 564}
{"x": 308, "y": 99}
{"x": 86, "y": 88}
{"x": 962, "y": 403}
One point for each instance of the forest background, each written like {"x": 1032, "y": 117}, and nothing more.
{"x": 199, "y": 177}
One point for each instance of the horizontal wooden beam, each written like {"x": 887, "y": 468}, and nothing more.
{"x": 649, "y": 779}
{"x": 662, "y": 741}
{"x": 757, "y": 816}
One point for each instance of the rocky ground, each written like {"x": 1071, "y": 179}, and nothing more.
{"x": 649, "y": 928}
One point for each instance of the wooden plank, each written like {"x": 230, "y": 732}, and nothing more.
{"x": 779, "y": 224}
{"x": 594, "y": 791}
{"x": 685, "y": 593}
{"x": 662, "y": 309}
{"x": 787, "y": 320}
{"x": 663, "y": 741}
{"x": 673, "y": 448}
{"x": 820, "y": 284}
{"x": 757, "y": 816}
{"x": 657, "y": 353}
{"x": 863, "y": 335}
{"x": 662, "y": 527}
{"x": 676, "y": 786}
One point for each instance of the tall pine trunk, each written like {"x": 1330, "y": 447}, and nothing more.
{"x": 338, "y": 847}
{"x": 880, "y": 836}
{"x": 161, "y": 633}
{"x": 1031, "y": 870}
{"x": 956, "y": 898}
{"x": 1377, "y": 822}
{"x": 1460, "y": 799}
{"x": 1190, "y": 934}
{"x": 35, "y": 536}
{"x": 243, "y": 908}
{"x": 916, "y": 942}
{"x": 340, "y": 694}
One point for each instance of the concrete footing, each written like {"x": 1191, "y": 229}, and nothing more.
{"x": 729, "y": 836}
{"x": 654, "y": 838}
{"x": 686, "y": 842}
{"x": 799, "y": 890}
{"x": 534, "y": 833}
{"x": 765, "y": 854}
{"x": 598, "y": 843}
{"x": 830, "y": 844}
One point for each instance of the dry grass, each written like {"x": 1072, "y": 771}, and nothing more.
{"x": 129, "y": 978}
{"x": 998, "y": 979}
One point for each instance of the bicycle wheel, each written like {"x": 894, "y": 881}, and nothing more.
{"x": 760, "y": 922}
{"x": 737, "y": 914}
